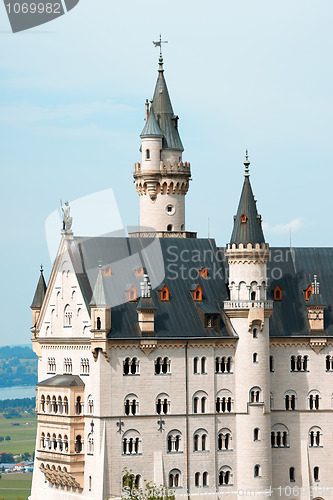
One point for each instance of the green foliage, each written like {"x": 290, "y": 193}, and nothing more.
{"x": 13, "y": 406}
{"x": 1, "y": 439}
{"x": 149, "y": 492}
{"x": 26, "y": 456}
{"x": 7, "y": 438}
{"x": 6, "y": 458}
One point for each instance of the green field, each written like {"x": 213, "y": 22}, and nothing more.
{"x": 15, "y": 486}
{"x": 23, "y": 437}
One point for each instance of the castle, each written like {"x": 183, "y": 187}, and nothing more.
{"x": 205, "y": 369}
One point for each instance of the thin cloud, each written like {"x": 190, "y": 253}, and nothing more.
{"x": 294, "y": 225}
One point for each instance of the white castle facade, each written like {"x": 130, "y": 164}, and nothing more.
{"x": 206, "y": 369}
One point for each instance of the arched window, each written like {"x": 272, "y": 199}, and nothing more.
{"x": 174, "y": 478}
{"x": 78, "y": 406}
{"x": 314, "y": 437}
{"x": 271, "y": 364}
{"x": 316, "y": 474}
{"x": 277, "y": 292}
{"x": 257, "y": 471}
{"x": 98, "y": 323}
{"x": 200, "y": 402}
{"x": 68, "y": 316}
{"x": 42, "y": 403}
{"x": 223, "y": 365}
{"x": 203, "y": 365}
{"x": 279, "y": 436}
{"x": 253, "y": 295}
{"x": 223, "y": 402}
{"x": 224, "y": 438}
{"x": 205, "y": 479}
{"x": 299, "y": 363}
{"x": 169, "y": 227}
{"x": 131, "y": 443}
{"x": 292, "y": 474}
{"x": 313, "y": 399}
{"x": 131, "y": 405}
{"x": 78, "y": 444}
{"x": 147, "y": 154}
{"x": 203, "y": 404}
{"x": 65, "y": 405}
{"x": 255, "y": 357}
{"x": 174, "y": 441}
{"x": 200, "y": 440}
{"x": 196, "y": 365}
{"x": 162, "y": 404}
{"x": 131, "y": 366}
{"x": 255, "y": 394}
{"x": 225, "y": 476}
{"x": 90, "y": 404}
{"x": 197, "y": 479}
{"x": 162, "y": 366}
{"x": 290, "y": 400}
{"x": 256, "y": 434}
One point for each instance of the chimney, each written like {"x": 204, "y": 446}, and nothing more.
{"x": 146, "y": 110}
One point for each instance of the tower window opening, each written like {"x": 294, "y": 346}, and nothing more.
{"x": 292, "y": 474}
{"x": 256, "y": 434}
{"x": 255, "y": 333}
{"x": 257, "y": 471}
{"x": 98, "y": 323}
{"x": 147, "y": 154}
{"x": 169, "y": 227}
{"x": 316, "y": 473}
{"x": 255, "y": 357}
{"x": 253, "y": 295}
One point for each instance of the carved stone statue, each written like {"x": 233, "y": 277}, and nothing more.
{"x": 66, "y": 218}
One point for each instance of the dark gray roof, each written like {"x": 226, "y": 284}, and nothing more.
{"x": 151, "y": 127}
{"x": 208, "y": 309}
{"x": 145, "y": 303}
{"x": 98, "y": 298}
{"x": 62, "y": 381}
{"x": 316, "y": 300}
{"x": 164, "y": 115}
{"x": 168, "y": 261}
{"x": 294, "y": 271}
{"x": 39, "y": 293}
{"x": 251, "y": 230}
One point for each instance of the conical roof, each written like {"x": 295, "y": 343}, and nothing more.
{"x": 98, "y": 297}
{"x": 247, "y": 222}
{"x": 164, "y": 113}
{"x": 40, "y": 292}
{"x": 151, "y": 127}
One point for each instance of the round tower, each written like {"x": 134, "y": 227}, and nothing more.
{"x": 249, "y": 312}
{"x": 162, "y": 178}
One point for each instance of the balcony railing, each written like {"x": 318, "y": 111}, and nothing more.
{"x": 248, "y": 304}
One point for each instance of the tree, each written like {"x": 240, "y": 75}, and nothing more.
{"x": 26, "y": 456}
{"x": 149, "y": 492}
{"x": 1, "y": 439}
{"x": 7, "y": 438}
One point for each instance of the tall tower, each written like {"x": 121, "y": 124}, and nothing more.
{"x": 249, "y": 311}
{"x": 162, "y": 179}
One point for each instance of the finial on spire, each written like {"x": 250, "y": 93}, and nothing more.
{"x": 247, "y": 164}
{"x": 100, "y": 262}
{"x": 315, "y": 285}
{"x": 159, "y": 44}
{"x": 41, "y": 268}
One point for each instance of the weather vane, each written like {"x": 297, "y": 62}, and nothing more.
{"x": 159, "y": 44}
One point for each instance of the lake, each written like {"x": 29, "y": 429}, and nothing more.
{"x": 18, "y": 392}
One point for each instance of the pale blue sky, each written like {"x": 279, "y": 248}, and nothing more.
{"x": 250, "y": 74}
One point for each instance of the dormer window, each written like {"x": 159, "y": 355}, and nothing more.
{"x": 243, "y": 219}
{"x": 203, "y": 272}
{"x": 139, "y": 272}
{"x": 277, "y": 292}
{"x": 147, "y": 154}
{"x": 132, "y": 294}
{"x": 107, "y": 271}
{"x": 197, "y": 293}
{"x": 308, "y": 292}
{"x": 164, "y": 294}
{"x": 212, "y": 321}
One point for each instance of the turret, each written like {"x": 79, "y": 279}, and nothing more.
{"x": 38, "y": 300}
{"x": 249, "y": 311}
{"x": 100, "y": 317}
{"x": 161, "y": 179}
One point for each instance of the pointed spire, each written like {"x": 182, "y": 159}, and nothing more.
{"x": 98, "y": 297}
{"x": 151, "y": 127}
{"x": 40, "y": 291}
{"x": 164, "y": 114}
{"x": 247, "y": 222}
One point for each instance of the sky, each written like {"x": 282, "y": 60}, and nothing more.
{"x": 250, "y": 74}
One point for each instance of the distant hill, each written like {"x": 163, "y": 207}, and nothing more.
{"x": 18, "y": 366}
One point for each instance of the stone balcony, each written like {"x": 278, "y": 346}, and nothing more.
{"x": 248, "y": 304}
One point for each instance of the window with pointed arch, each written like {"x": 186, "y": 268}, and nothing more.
{"x": 174, "y": 441}
{"x": 225, "y": 476}
{"x": 315, "y": 437}
{"x": 131, "y": 442}
{"x": 224, "y": 439}
{"x": 200, "y": 440}
{"x": 175, "y": 478}
{"x": 68, "y": 316}
{"x": 277, "y": 293}
{"x": 163, "y": 404}
{"x": 164, "y": 294}
{"x": 90, "y": 444}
